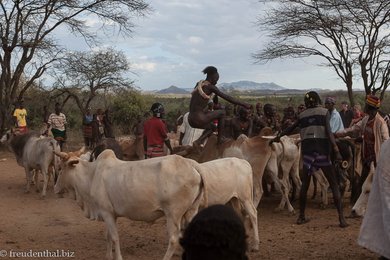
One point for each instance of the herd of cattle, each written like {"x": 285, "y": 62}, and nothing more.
{"x": 113, "y": 181}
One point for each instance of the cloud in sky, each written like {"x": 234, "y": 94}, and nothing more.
{"x": 179, "y": 38}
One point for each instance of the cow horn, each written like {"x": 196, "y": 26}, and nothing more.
{"x": 80, "y": 152}
{"x": 62, "y": 155}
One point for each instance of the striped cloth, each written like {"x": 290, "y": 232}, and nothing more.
{"x": 154, "y": 151}
{"x": 315, "y": 161}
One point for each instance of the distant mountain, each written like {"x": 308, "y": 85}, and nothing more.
{"x": 173, "y": 90}
{"x": 245, "y": 85}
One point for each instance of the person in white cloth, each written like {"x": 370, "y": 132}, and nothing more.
{"x": 188, "y": 134}
{"x": 199, "y": 117}
{"x": 375, "y": 230}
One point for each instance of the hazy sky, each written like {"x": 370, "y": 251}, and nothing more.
{"x": 173, "y": 44}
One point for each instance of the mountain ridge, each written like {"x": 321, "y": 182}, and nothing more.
{"x": 240, "y": 86}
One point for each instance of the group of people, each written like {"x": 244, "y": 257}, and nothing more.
{"x": 55, "y": 122}
{"x": 96, "y": 126}
{"x": 319, "y": 126}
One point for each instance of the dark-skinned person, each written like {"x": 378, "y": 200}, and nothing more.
{"x": 156, "y": 133}
{"x": 20, "y": 118}
{"x": 57, "y": 123}
{"x": 215, "y": 233}
{"x": 242, "y": 124}
{"x": 374, "y": 132}
{"x": 318, "y": 147}
{"x": 203, "y": 119}
{"x": 271, "y": 118}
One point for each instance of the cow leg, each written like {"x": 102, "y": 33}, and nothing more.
{"x": 331, "y": 177}
{"x": 285, "y": 185}
{"x": 324, "y": 185}
{"x": 44, "y": 173}
{"x": 257, "y": 191}
{"x": 296, "y": 180}
{"x": 36, "y": 173}
{"x": 109, "y": 245}
{"x": 173, "y": 226}
{"x": 252, "y": 212}
{"x": 28, "y": 178}
{"x": 285, "y": 189}
{"x": 112, "y": 236}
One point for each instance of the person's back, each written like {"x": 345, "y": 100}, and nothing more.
{"x": 155, "y": 133}
{"x": 215, "y": 233}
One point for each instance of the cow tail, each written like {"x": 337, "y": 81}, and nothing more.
{"x": 202, "y": 198}
{"x": 200, "y": 201}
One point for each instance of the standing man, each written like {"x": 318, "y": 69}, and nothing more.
{"x": 20, "y": 118}
{"x": 188, "y": 134}
{"x": 374, "y": 131}
{"x": 156, "y": 133}
{"x": 57, "y": 122}
{"x": 198, "y": 117}
{"x": 336, "y": 123}
{"x": 87, "y": 129}
{"x": 346, "y": 114}
{"x": 316, "y": 146}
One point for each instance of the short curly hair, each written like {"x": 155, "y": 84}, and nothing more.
{"x": 215, "y": 233}
{"x": 312, "y": 99}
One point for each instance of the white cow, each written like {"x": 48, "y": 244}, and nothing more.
{"x": 142, "y": 190}
{"x": 34, "y": 152}
{"x": 230, "y": 180}
{"x": 283, "y": 164}
{"x": 360, "y": 206}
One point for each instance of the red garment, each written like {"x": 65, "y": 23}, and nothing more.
{"x": 155, "y": 131}
{"x": 369, "y": 143}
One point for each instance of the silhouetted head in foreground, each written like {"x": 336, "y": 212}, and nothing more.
{"x": 215, "y": 233}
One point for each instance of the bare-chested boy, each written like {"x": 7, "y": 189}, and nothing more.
{"x": 203, "y": 92}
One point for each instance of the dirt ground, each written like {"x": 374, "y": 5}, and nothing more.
{"x": 30, "y": 223}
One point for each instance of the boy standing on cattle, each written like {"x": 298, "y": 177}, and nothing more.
{"x": 198, "y": 117}
{"x": 156, "y": 133}
{"x": 317, "y": 141}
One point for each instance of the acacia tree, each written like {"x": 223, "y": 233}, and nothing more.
{"x": 350, "y": 36}
{"x": 84, "y": 75}
{"x": 26, "y": 33}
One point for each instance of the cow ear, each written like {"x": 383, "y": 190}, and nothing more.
{"x": 73, "y": 162}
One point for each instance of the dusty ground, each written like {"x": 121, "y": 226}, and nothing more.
{"x": 30, "y": 223}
